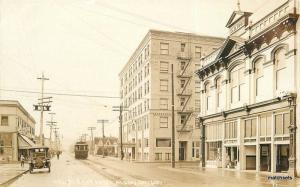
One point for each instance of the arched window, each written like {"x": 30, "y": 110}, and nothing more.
{"x": 237, "y": 83}
{"x": 258, "y": 77}
{"x": 207, "y": 96}
{"x": 280, "y": 70}
{"x": 218, "y": 91}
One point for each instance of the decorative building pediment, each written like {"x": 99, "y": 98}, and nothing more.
{"x": 232, "y": 44}
{"x": 237, "y": 20}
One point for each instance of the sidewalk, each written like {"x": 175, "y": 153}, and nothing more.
{"x": 9, "y": 172}
{"x": 239, "y": 175}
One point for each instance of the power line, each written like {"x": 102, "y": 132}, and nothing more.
{"x": 61, "y": 94}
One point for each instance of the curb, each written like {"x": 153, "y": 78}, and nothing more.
{"x": 9, "y": 181}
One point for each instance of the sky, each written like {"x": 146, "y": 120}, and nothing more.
{"x": 82, "y": 45}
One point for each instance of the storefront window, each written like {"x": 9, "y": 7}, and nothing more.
{"x": 265, "y": 125}
{"x": 250, "y": 128}
{"x": 214, "y": 150}
{"x": 231, "y": 130}
{"x": 282, "y": 122}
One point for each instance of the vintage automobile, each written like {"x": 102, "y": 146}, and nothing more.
{"x": 39, "y": 158}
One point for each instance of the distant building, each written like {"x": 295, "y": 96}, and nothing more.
{"x": 146, "y": 95}
{"x": 107, "y": 144}
{"x": 250, "y": 92}
{"x": 17, "y": 128}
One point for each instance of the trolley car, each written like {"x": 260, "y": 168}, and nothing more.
{"x": 81, "y": 150}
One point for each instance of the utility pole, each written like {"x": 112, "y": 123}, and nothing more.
{"x": 42, "y": 107}
{"x": 173, "y": 119}
{"x": 51, "y": 124}
{"x": 120, "y": 109}
{"x": 102, "y": 121}
{"x": 92, "y": 138}
{"x": 84, "y": 135}
{"x": 56, "y": 137}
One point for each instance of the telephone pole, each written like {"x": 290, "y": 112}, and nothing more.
{"x": 102, "y": 121}
{"x": 51, "y": 124}
{"x": 43, "y": 105}
{"x": 92, "y": 138}
{"x": 120, "y": 109}
{"x": 56, "y": 137}
{"x": 173, "y": 119}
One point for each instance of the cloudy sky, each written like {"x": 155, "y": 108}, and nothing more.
{"x": 81, "y": 46}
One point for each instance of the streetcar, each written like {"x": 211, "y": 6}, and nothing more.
{"x": 81, "y": 150}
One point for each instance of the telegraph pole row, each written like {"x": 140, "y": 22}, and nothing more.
{"x": 43, "y": 105}
{"x": 92, "y": 138}
{"x": 102, "y": 121}
{"x": 51, "y": 124}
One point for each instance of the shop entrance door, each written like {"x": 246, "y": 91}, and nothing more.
{"x": 231, "y": 157}
{"x": 265, "y": 157}
{"x": 282, "y": 158}
{"x": 182, "y": 150}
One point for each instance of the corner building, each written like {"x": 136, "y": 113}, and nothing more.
{"x": 146, "y": 96}
{"x": 249, "y": 93}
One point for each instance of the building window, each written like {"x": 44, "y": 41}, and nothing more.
{"x": 207, "y": 96}
{"x": 213, "y": 150}
{"x": 196, "y": 149}
{"x": 182, "y": 101}
{"x": 164, "y": 48}
{"x": 219, "y": 91}
{"x": 231, "y": 130}
{"x": 164, "y": 67}
{"x": 182, "y": 65}
{"x": 146, "y": 142}
{"x": 163, "y": 121}
{"x": 4, "y": 120}
{"x": 250, "y": 128}
{"x": 163, "y": 142}
{"x": 282, "y": 122}
{"x": 182, "y": 83}
{"x": 167, "y": 156}
{"x": 265, "y": 125}
{"x": 198, "y": 52}
{"x": 158, "y": 156}
{"x": 197, "y": 86}
{"x": 182, "y": 119}
{"x": 182, "y": 47}
{"x": 197, "y": 105}
{"x": 258, "y": 69}
{"x": 281, "y": 72}
{"x": 237, "y": 83}
{"x": 164, "y": 103}
{"x": 163, "y": 85}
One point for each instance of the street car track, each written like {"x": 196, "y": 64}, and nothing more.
{"x": 114, "y": 178}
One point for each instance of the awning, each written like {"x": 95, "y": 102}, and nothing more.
{"x": 24, "y": 142}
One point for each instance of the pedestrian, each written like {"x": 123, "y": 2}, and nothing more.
{"x": 57, "y": 155}
{"x": 22, "y": 161}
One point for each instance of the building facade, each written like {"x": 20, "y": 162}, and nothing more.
{"x": 146, "y": 95}
{"x": 17, "y": 130}
{"x": 249, "y": 92}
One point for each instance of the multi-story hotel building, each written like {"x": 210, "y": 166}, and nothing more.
{"x": 17, "y": 128}
{"x": 249, "y": 92}
{"x": 146, "y": 95}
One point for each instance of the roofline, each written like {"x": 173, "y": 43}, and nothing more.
{"x": 152, "y": 31}
{"x": 17, "y": 104}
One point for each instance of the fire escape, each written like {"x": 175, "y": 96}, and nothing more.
{"x": 184, "y": 93}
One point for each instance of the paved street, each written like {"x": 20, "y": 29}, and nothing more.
{"x": 97, "y": 171}
{"x": 64, "y": 172}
